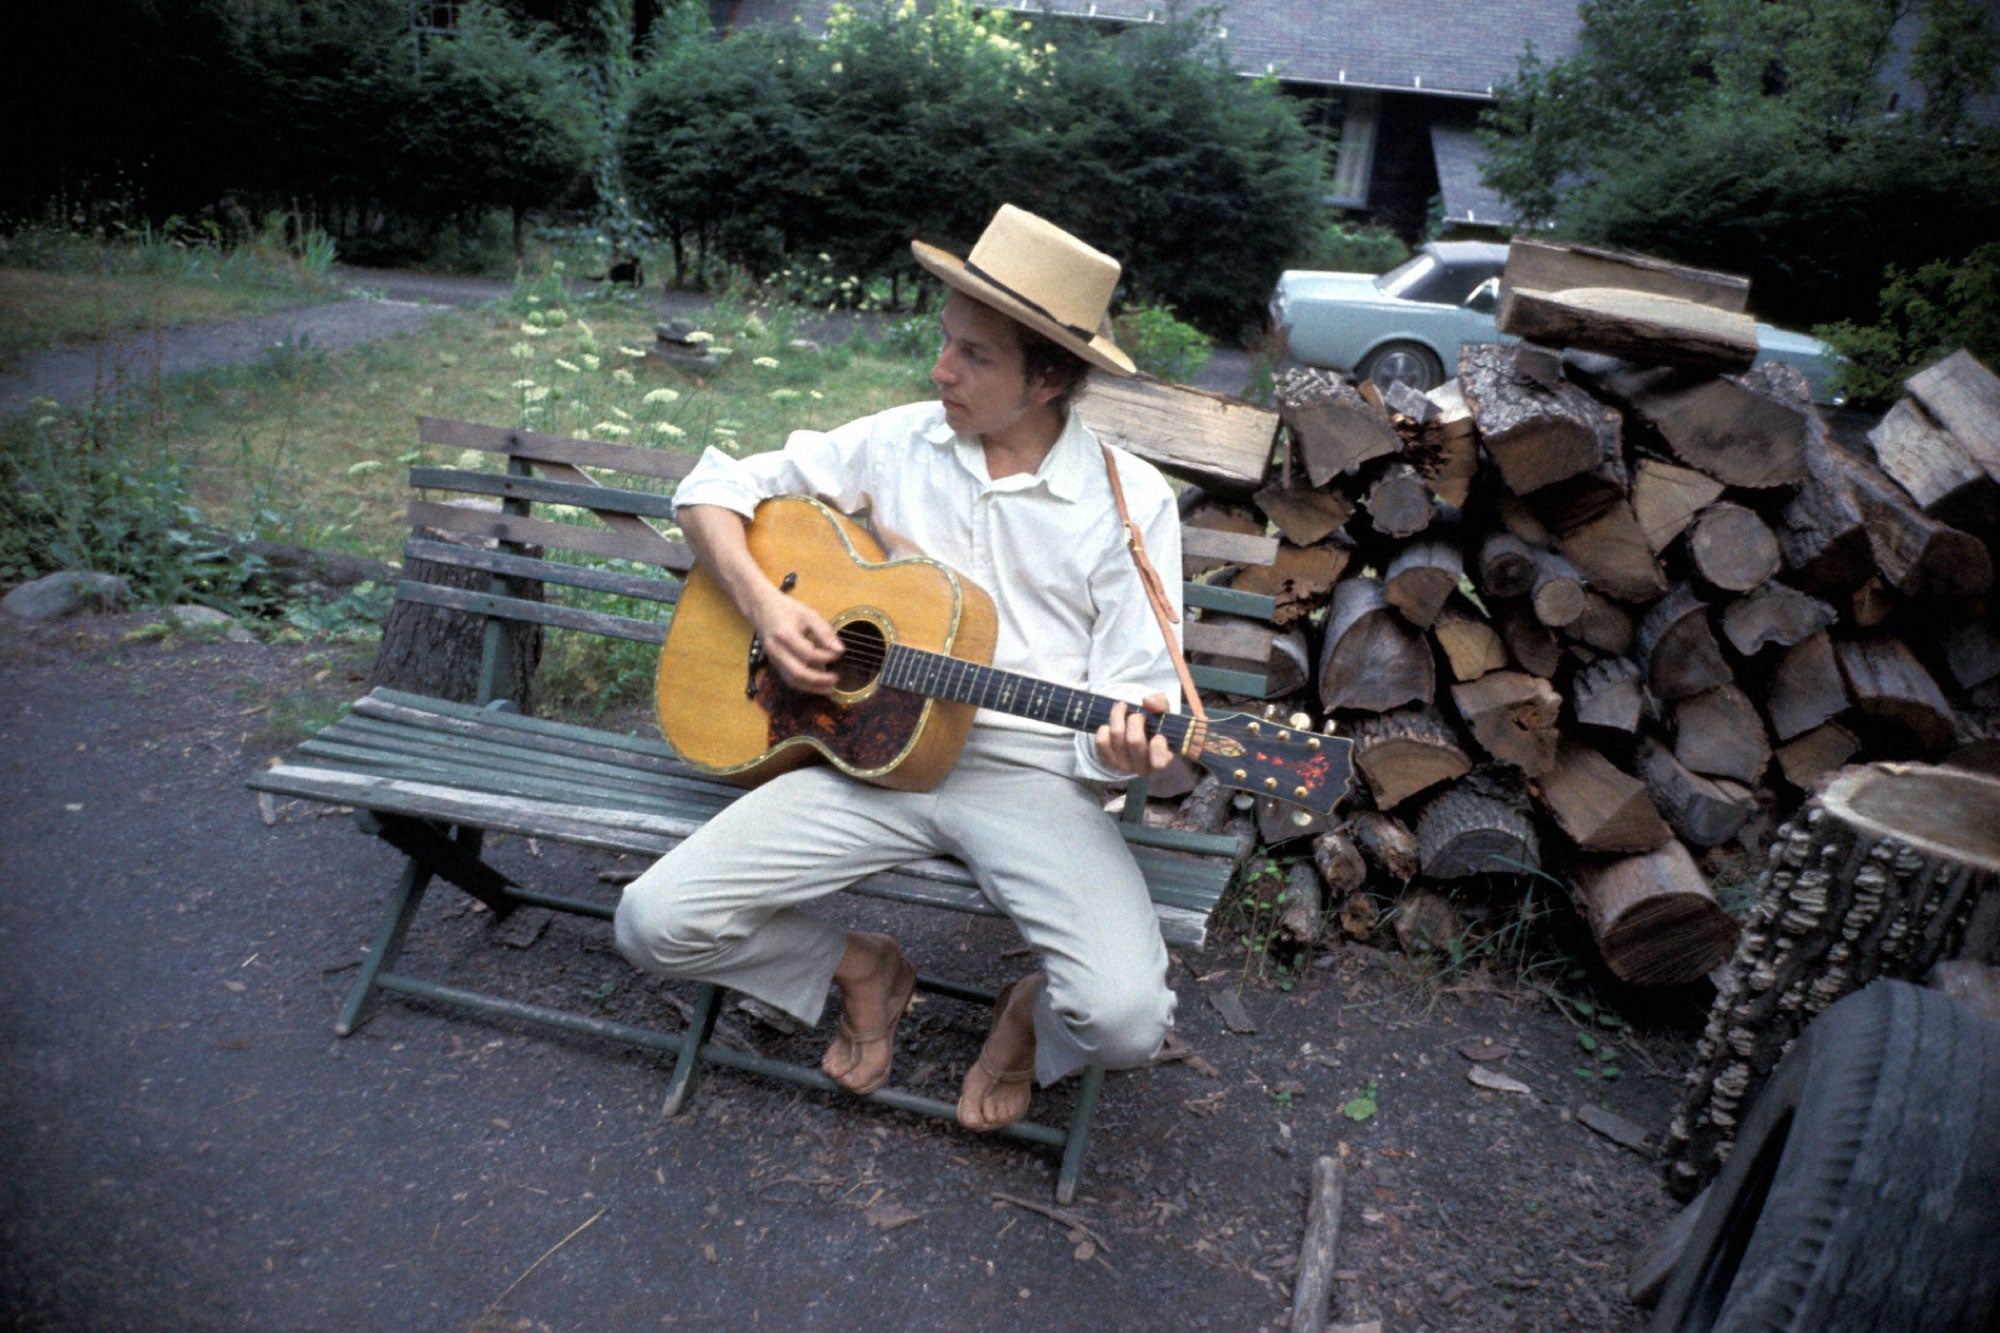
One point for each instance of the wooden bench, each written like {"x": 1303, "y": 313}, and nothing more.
{"x": 432, "y": 777}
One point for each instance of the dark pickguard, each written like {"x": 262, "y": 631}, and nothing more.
{"x": 867, "y": 734}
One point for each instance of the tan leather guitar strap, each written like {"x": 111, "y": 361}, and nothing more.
{"x": 1156, "y": 593}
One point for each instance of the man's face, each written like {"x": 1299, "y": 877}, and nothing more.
{"x": 979, "y": 373}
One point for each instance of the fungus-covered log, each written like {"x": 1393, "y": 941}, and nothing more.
{"x": 1402, "y": 753}
{"x": 1889, "y": 870}
{"x": 1372, "y": 659}
{"x": 1655, "y": 919}
{"x": 1600, "y": 807}
{"x": 1482, "y": 826}
{"x": 1513, "y": 716}
{"x": 1336, "y": 427}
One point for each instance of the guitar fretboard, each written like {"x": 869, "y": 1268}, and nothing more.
{"x": 938, "y": 676}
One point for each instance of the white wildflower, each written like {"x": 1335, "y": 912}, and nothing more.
{"x": 611, "y": 428}
{"x": 522, "y": 384}
{"x": 364, "y": 467}
{"x": 782, "y": 395}
{"x": 662, "y": 396}
{"x": 623, "y": 376}
{"x": 570, "y": 366}
{"x": 621, "y": 413}
{"x": 522, "y": 351}
{"x": 699, "y": 336}
{"x": 670, "y": 430}
{"x": 767, "y": 362}
{"x": 637, "y": 353}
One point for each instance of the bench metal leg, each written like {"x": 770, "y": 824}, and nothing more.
{"x": 1078, "y": 1142}
{"x": 701, "y": 1025}
{"x": 402, "y": 910}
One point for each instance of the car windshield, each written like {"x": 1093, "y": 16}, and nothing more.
{"x": 1404, "y": 279}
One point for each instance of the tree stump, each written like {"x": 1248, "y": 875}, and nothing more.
{"x": 436, "y": 650}
{"x": 1889, "y": 870}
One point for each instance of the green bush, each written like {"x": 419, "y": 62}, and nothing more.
{"x": 1351, "y": 247}
{"x": 1160, "y": 344}
{"x": 1925, "y": 316}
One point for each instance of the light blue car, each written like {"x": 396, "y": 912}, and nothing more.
{"x": 1409, "y": 323}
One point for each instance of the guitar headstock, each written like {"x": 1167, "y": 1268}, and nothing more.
{"x": 1269, "y": 758}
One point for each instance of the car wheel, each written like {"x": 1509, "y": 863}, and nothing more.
{"x": 1864, "y": 1189}
{"x": 1412, "y": 363}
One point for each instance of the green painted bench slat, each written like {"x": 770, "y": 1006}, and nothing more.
{"x": 578, "y": 495}
{"x": 540, "y": 613}
{"x": 544, "y": 571}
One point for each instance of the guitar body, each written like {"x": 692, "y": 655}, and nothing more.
{"x": 740, "y": 721}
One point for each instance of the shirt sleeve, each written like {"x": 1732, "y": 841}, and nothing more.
{"x": 1128, "y": 652}
{"x": 831, "y": 465}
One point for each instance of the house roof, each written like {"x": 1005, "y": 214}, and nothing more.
{"x": 1443, "y": 47}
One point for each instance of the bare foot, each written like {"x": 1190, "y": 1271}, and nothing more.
{"x": 875, "y": 982}
{"x": 1000, "y": 1084}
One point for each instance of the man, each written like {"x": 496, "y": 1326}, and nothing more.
{"x": 1000, "y": 480}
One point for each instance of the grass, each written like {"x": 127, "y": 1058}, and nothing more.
{"x": 56, "y": 289}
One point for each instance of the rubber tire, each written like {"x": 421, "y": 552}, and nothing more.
{"x": 1425, "y": 359}
{"x": 1864, "y": 1189}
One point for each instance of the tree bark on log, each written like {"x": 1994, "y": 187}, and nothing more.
{"x": 1386, "y": 843}
{"x": 1312, "y": 1290}
{"x": 1304, "y": 916}
{"x": 1702, "y": 812}
{"x": 1644, "y": 326}
{"x": 1678, "y": 649}
{"x": 1890, "y": 686}
{"x": 1421, "y": 578}
{"x": 435, "y": 650}
{"x": 1477, "y": 828}
{"x": 1920, "y": 556}
{"x": 1339, "y": 862}
{"x": 1890, "y": 870}
{"x": 1402, "y": 753}
{"x": 1337, "y": 429}
{"x": 1371, "y": 659}
{"x": 1534, "y": 435}
{"x": 1655, "y": 919}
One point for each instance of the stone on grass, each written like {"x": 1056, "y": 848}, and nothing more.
{"x": 56, "y": 595}
{"x": 189, "y": 615}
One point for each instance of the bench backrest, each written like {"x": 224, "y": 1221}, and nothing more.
{"x": 562, "y": 476}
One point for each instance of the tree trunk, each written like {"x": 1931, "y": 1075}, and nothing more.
{"x": 1890, "y": 870}
{"x": 435, "y": 650}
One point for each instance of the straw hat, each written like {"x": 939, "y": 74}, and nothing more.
{"x": 1033, "y": 271}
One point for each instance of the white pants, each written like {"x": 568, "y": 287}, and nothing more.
{"x": 721, "y": 907}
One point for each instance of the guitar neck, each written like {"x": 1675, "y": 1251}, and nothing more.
{"x": 940, "y": 677}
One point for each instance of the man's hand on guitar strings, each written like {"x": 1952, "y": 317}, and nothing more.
{"x": 798, "y": 642}
{"x": 1123, "y": 745}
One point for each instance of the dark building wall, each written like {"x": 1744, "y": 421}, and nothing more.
{"x": 1405, "y": 180}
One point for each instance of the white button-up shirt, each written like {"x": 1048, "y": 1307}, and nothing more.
{"x": 1047, "y": 546}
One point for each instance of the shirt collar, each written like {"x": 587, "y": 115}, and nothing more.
{"x": 1063, "y": 472}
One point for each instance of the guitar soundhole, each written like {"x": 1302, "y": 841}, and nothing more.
{"x": 865, "y": 646}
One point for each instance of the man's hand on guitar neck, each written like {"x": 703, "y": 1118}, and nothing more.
{"x": 1123, "y": 744}
{"x": 797, "y": 640}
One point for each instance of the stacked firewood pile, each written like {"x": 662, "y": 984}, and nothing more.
{"x": 1612, "y": 598}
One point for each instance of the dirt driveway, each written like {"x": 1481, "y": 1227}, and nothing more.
{"x": 184, "y": 1143}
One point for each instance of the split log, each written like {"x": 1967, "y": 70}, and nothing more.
{"x": 1205, "y": 437}
{"x": 1890, "y": 686}
{"x": 1655, "y": 919}
{"x": 1678, "y": 649}
{"x": 1482, "y": 826}
{"x": 1600, "y": 807}
{"x": 1339, "y": 862}
{"x": 1472, "y": 647}
{"x": 1411, "y": 404}
{"x": 1871, "y": 603}
{"x": 1530, "y": 643}
{"x": 1421, "y": 578}
{"x": 1920, "y": 556}
{"x": 1519, "y": 517}
{"x": 1821, "y": 534}
{"x": 1946, "y": 482}
{"x": 1513, "y": 716}
{"x": 1304, "y": 916}
{"x": 1371, "y": 659}
{"x": 1644, "y": 326}
{"x": 1534, "y": 435}
{"x": 1665, "y": 499}
{"x": 1312, "y": 1289}
{"x": 1808, "y": 758}
{"x": 1604, "y": 625}
{"x": 1399, "y": 504}
{"x": 1299, "y": 577}
{"x": 1963, "y": 396}
{"x": 1608, "y": 694}
{"x": 1304, "y": 516}
{"x": 1404, "y": 752}
{"x": 1742, "y": 430}
{"x": 1550, "y": 266}
{"x": 1506, "y": 566}
{"x": 1732, "y": 548}
{"x": 1543, "y": 365}
{"x": 1806, "y": 688}
{"x": 1337, "y": 429}
{"x": 1890, "y": 870}
{"x": 1971, "y": 653}
{"x": 1386, "y": 843}
{"x": 1616, "y": 558}
{"x": 1702, "y": 812}
{"x": 1557, "y": 595}
{"x": 1207, "y": 808}
{"x": 1774, "y": 613}
{"x": 1718, "y": 733}
{"x": 1446, "y": 453}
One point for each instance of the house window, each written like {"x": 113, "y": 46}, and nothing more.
{"x": 1354, "y": 160}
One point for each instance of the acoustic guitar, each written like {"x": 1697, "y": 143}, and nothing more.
{"x": 917, "y": 639}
